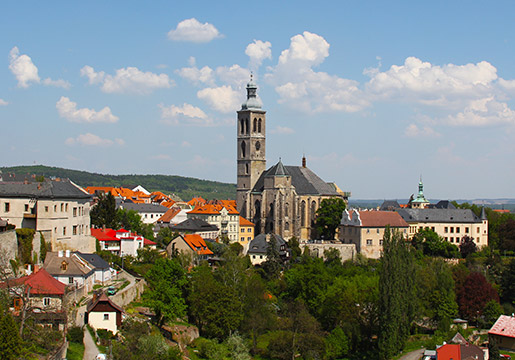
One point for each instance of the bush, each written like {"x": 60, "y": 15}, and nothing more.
{"x": 75, "y": 334}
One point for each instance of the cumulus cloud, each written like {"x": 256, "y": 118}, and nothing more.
{"x": 23, "y": 68}
{"x": 68, "y": 110}
{"x": 3, "y": 102}
{"x": 57, "y": 83}
{"x": 127, "y": 80}
{"x": 197, "y": 76}
{"x": 299, "y": 86}
{"x": 282, "y": 130}
{"x": 233, "y": 75}
{"x": 191, "y": 30}
{"x": 223, "y": 99}
{"x": 257, "y": 52}
{"x": 89, "y": 139}
{"x": 187, "y": 114}
{"x": 481, "y": 112}
{"x": 414, "y": 131}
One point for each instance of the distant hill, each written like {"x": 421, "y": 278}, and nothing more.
{"x": 183, "y": 187}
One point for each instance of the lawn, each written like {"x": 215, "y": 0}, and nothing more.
{"x": 75, "y": 351}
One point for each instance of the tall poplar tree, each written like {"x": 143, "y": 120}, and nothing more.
{"x": 396, "y": 294}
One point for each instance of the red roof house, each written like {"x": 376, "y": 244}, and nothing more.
{"x": 503, "y": 332}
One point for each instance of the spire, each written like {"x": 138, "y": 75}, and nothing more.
{"x": 278, "y": 170}
{"x": 483, "y": 214}
{"x": 252, "y": 100}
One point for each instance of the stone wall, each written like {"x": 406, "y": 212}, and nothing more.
{"x": 8, "y": 248}
{"x": 347, "y": 251}
{"x": 129, "y": 294}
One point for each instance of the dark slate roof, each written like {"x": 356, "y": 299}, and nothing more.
{"x": 259, "y": 244}
{"x": 277, "y": 170}
{"x": 48, "y": 189}
{"x": 439, "y": 215}
{"x": 444, "y": 204}
{"x": 144, "y": 208}
{"x": 305, "y": 181}
{"x": 194, "y": 225}
{"x": 96, "y": 261}
{"x": 389, "y": 205}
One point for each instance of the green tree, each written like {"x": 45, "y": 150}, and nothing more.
{"x": 164, "y": 236}
{"x": 433, "y": 244}
{"x": 10, "y": 340}
{"x": 273, "y": 264}
{"x": 293, "y": 245}
{"x": 328, "y": 217}
{"x": 129, "y": 220}
{"x": 467, "y": 246}
{"x": 396, "y": 292}
{"x": 337, "y": 344}
{"x": 493, "y": 350}
{"x": 104, "y": 212}
{"x": 166, "y": 281}
{"x": 508, "y": 284}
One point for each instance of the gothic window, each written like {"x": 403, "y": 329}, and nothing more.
{"x": 243, "y": 149}
{"x": 241, "y": 126}
{"x": 255, "y": 125}
{"x": 286, "y": 210}
{"x": 287, "y": 226}
{"x": 259, "y": 126}
{"x": 303, "y": 213}
{"x": 313, "y": 211}
{"x": 246, "y": 168}
{"x": 247, "y": 126}
{"x": 257, "y": 217}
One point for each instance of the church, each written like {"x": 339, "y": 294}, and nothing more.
{"x": 283, "y": 199}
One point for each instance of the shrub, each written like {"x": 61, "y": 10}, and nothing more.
{"x": 75, "y": 334}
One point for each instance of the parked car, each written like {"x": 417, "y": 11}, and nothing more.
{"x": 111, "y": 290}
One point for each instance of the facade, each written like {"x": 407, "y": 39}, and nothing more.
{"x": 283, "y": 199}
{"x": 149, "y": 213}
{"x": 365, "y": 229}
{"x": 59, "y": 209}
{"x": 103, "y": 272}
{"x": 224, "y": 216}
{"x": 70, "y": 269}
{"x": 121, "y": 242}
{"x": 246, "y": 231}
{"x": 503, "y": 332}
{"x": 102, "y": 313}
{"x": 258, "y": 247}
{"x": 190, "y": 244}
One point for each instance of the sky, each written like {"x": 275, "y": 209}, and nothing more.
{"x": 375, "y": 94}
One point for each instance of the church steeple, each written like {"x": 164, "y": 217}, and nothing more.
{"x": 253, "y": 101}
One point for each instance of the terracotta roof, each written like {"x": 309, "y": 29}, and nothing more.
{"x": 197, "y": 201}
{"x": 213, "y": 209}
{"x": 377, "y": 218}
{"x": 147, "y": 242}
{"x": 245, "y": 222}
{"x": 504, "y": 326}
{"x": 197, "y": 244}
{"x": 104, "y": 235}
{"x": 41, "y": 283}
{"x": 169, "y": 215}
{"x": 448, "y": 352}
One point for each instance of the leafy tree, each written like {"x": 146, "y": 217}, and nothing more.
{"x": 493, "y": 350}
{"x": 44, "y": 247}
{"x": 467, "y": 247}
{"x": 491, "y": 313}
{"x": 473, "y": 296}
{"x": 337, "y": 344}
{"x": 273, "y": 264}
{"x": 396, "y": 292}
{"x": 328, "y": 217}
{"x": 293, "y": 245}
{"x": 129, "y": 220}
{"x": 164, "y": 236}
{"x": 433, "y": 245}
{"x": 508, "y": 283}
{"x": 237, "y": 347}
{"x": 166, "y": 281}
{"x": 104, "y": 212}
{"x": 10, "y": 340}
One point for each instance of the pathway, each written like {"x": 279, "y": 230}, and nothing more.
{"x": 90, "y": 348}
{"x": 413, "y": 355}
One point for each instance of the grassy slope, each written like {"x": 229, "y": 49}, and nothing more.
{"x": 184, "y": 187}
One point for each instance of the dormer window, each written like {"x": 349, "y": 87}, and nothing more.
{"x": 64, "y": 266}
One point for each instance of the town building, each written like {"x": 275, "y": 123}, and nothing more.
{"x": 102, "y": 313}
{"x": 103, "y": 271}
{"x": 149, "y": 213}
{"x": 258, "y": 248}
{"x": 190, "y": 244}
{"x": 121, "y": 242}
{"x": 197, "y": 226}
{"x": 224, "y": 216}
{"x": 58, "y": 209}
{"x": 365, "y": 229}
{"x": 460, "y": 352}
{"x": 283, "y": 199}
{"x": 70, "y": 269}
{"x": 246, "y": 232}
{"x": 503, "y": 332}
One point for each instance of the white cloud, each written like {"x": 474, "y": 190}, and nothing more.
{"x": 187, "y": 114}
{"x": 68, "y": 110}
{"x": 127, "y": 80}
{"x": 257, "y": 52}
{"x": 308, "y": 48}
{"x": 223, "y": 99}
{"x": 3, "y": 102}
{"x": 23, "y": 68}
{"x": 482, "y": 112}
{"x": 282, "y": 130}
{"x": 57, "y": 83}
{"x": 191, "y": 30}
{"x": 196, "y": 75}
{"x": 89, "y": 139}
{"x": 414, "y": 131}
{"x": 234, "y": 75}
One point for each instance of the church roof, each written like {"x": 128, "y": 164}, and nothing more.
{"x": 439, "y": 215}
{"x": 305, "y": 181}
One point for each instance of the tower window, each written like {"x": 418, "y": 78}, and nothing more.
{"x": 247, "y": 126}
{"x": 255, "y": 125}
{"x": 243, "y": 149}
{"x": 246, "y": 168}
{"x": 259, "y": 125}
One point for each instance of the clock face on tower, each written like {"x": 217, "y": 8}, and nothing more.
{"x": 258, "y": 145}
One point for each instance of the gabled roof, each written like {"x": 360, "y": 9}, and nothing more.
{"x": 73, "y": 266}
{"x": 170, "y": 214}
{"x": 194, "y": 225}
{"x": 147, "y": 242}
{"x": 213, "y": 209}
{"x": 278, "y": 170}
{"x": 196, "y": 201}
{"x": 144, "y": 208}
{"x": 259, "y": 244}
{"x": 504, "y": 326}
{"x": 373, "y": 218}
{"x": 197, "y": 244}
{"x": 305, "y": 181}
{"x": 102, "y": 299}
{"x": 439, "y": 215}
{"x": 96, "y": 261}
{"x": 104, "y": 234}
{"x": 389, "y": 205}
{"x": 245, "y": 222}
{"x": 41, "y": 283}
{"x": 48, "y": 189}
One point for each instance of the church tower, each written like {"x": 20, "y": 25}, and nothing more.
{"x": 251, "y": 146}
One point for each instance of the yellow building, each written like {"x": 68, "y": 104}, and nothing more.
{"x": 246, "y": 231}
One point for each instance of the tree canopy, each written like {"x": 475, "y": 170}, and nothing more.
{"x": 328, "y": 217}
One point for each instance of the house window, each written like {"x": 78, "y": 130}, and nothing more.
{"x": 446, "y": 229}
{"x": 64, "y": 230}
{"x": 478, "y": 230}
{"x": 378, "y": 231}
{"x": 74, "y": 229}
{"x": 64, "y": 266}
{"x": 466, "y": 230}
{"x": 242, "y": 230}
{"x": 432, "y": 228}
{"x": 106, "y": 316}
{"x": 66, "y": 207}
{"x": 452, "y": 229}
{"x": 381, "y": 242}
{"x": 8, "y": 207}
{"x": 26, "y": 207}
{"x": 242, "y": 239}
{"x": 74, "y": 212}
{"x": 70, "y": 280}
{"x": 46, "y": 301}
{"x": 368, "y": 231}
{"x": 249, "y": 230}
{"x": 248, "y": 239}
{"x": 369, "y": 242}
{"x": 457, "y": 230}
{"x": 46, "y": 208}
{"x": 62, "y": 207}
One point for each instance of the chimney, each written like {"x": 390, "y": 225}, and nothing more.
{"x": 303, "y": 161}
{"x": 67, "y": 253}
{"x": 60, "y": 253}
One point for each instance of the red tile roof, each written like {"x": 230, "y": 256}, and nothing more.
{"x": 213, "y": 209}
{"x": 381, "y": 219}
{"x": 197, "y": 244}
{"x": 245, "y": 222}
{"x": 169, "y": 215}
{"x": 197, "y": 201}
{"x": 504, "y": 326}
{"x": 147, "y": 242}
{"x": 448, "y": 352}
{"x": 41, "y": 283}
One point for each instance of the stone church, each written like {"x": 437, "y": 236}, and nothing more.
{"x": 283, "y": 199}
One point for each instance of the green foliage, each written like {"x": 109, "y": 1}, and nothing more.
{"x": 396, "y": 292}
{"x": 25, "y": 237}
{"x": 274, "y": 264}
{"x": 493, "y": 350}
{"x": 104, "y": 334}
{"x": 210, "y": 349}
{"x": 434, "y": 245}
{"x": 508, "y": 284}
{"x": 129, "y": 220}
{"x": 293, "y": 244}
{"x": 184, "y": 187}
{"x": 237, "y": 347}
{"x": 337, "y": 344}
{"x": 328, "y": 217}
{"x": 166, "y": 281}
{"x": 491, "y": 313}
{"x": 467, "y": 247}
{"x": 10, "y": 341}
{"x": 44, "y": 247}
{"x": 75, "y": 334}
{"x": 473, "y": 295}
{"x": 104, "y": 212}
{"x": 164, "y": 236}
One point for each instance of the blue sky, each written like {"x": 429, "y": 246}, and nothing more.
{"x": 375, "y": 94}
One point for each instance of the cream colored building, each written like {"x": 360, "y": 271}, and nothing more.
{"x": 224, "y": 217}
{"x": 246, "y": 232}
{"x": 102, "y": 313}
{"x": 59, "y": 209}
{"x": 365, "y": 229}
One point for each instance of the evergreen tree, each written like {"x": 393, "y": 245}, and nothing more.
{"x": 329, "y": 215}
{"x": 104, "y": 212}
{"x": 10, "y": 340}
{"x": 493, "y": 350}
{"x": 396, "y": 294}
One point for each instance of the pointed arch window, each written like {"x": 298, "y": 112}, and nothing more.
{"x": 255, "y": 125}
{"x": 246, "y": 168}
{"x": 247, "y": 126}
{"x": 259, "y": 126}
{"x": 303, "y": 213}
{"x": 243, "y": 149}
